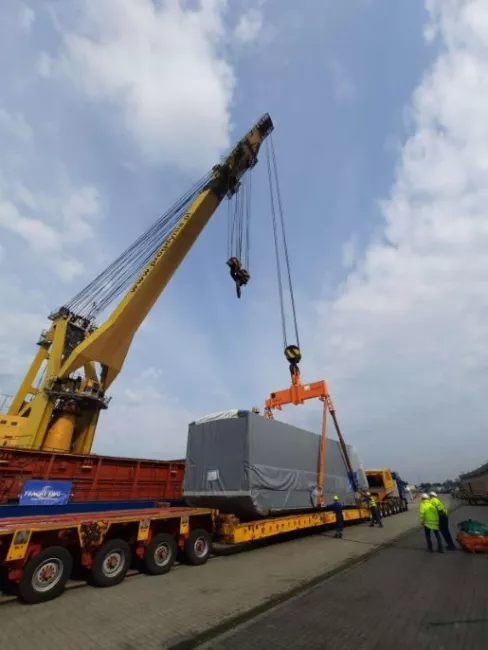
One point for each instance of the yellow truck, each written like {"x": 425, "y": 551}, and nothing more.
{"x": 388, "y": 489}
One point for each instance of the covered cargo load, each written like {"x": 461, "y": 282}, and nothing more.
{"x": 244, "y": 464}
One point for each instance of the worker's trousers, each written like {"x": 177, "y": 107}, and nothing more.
{"x": 445, "y": 532}
{"x": 376, "y": 517}
{"x": 428, "y": 538}
{"x": 339, "y": 528}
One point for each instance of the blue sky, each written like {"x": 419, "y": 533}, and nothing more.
{"x": 109, "y": 111}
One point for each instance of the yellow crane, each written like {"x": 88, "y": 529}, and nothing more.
{"x": 77, "y": 361}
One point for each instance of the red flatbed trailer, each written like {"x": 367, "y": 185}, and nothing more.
{"x": 38, "y": 553}
{"x": 95, "y": 478}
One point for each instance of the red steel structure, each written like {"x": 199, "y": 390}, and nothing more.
{"x": 95, "y": 478}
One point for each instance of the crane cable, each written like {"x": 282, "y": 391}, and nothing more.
{"x": 292, "y": 352}
{"x": 119, "y": 275}
{"x": 239, "y": 229}
{"x": 239, "y": 222}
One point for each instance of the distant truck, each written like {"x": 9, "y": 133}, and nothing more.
{"x": 473, "y": 486}
{"x": 387, "y": 487}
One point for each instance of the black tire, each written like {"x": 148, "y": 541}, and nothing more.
{"x": 115, "y": 552}
{"x": 160, "y": 554}
{"x": 45, "y": 575}
{"x": 198, "y": 547}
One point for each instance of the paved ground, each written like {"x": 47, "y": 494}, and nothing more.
{"x": 401, "y": 597}
{"x": 165, "y": 611}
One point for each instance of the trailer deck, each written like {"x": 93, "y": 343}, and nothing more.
{"x": 231, "y": 531}
{"x": 39, "y": 523}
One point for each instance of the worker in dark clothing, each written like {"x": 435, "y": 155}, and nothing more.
{"x": 443, "y": 520}
{"x": 375, "y": 511}
{"x": 336, "y": 508}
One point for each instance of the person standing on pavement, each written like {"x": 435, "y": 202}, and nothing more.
{"x": 443, "y": 520}
{"x": 375, "y": 511}
{"x": 429, "y": 518}
{"x": 336, "y": 508}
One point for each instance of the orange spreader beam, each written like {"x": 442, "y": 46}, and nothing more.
{"x": 299, "y": 393}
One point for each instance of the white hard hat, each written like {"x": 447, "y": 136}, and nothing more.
{"x": 425, "y": 495}
{"x": 432, "y": 494}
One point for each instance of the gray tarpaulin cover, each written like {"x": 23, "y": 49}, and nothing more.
{"x": 242, "y": 463}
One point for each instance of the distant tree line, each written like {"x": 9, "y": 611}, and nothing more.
{"x": 445, "y": 486}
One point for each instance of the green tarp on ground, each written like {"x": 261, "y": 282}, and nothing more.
{"x": 471, "y": 527}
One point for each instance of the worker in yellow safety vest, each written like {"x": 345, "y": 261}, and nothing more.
{"x": 429, "y": 518}
{"x": 443, "y": 520}
{"x": 373, "y": 508}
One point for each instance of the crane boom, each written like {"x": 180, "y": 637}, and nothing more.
{"x": 61, "y": 414}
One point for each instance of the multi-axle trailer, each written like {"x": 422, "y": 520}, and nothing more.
{"x": 38, "y": 555}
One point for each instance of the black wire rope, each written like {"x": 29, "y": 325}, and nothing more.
{"x": 123, "y": 271}
{"x": 277, "y": 250}
{"x": 285, "y": 243}
{"x": 275, "y": 199}
{"x": 248, "y": 219}
{"x": 238, "y": 217}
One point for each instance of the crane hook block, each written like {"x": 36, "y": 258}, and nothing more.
{"x": 238, "y": 273}
{"x": 293, "y": 354}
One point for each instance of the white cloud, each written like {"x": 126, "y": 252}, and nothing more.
{"x": 22, "y": 317}
{"x": 39, "y": 235}
{"x": 249, "y": 25}
{"x": 349, "y": 252}
{"x": 407, "y": 333}
{"x": 16, "y": 126}
{"x": 45, "y": 64}
{"x": 160, "y": 65}
{"x": 26, "y": 18}
{"x": 144, "y": 420}
{"x": 53, "y": 226}
{"x": 49, "y": 222}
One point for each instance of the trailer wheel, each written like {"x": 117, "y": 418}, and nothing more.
{"x": 160, "y": 554}
{"x": 198, "y": 547}
{"x": 45, "y": 575}
{"x": 111, "y": 563}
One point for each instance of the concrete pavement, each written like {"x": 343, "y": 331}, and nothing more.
{"x": 401, "y": 597}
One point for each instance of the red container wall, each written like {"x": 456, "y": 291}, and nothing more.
{"x": 95, "y": 478}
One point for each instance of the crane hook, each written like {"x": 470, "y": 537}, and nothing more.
{"x": 239, "y": 274}
{"x": 293, "y": 355}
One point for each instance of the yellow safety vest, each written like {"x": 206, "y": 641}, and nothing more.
{"x": 438, "y": 505}
{"x": 371, "y": 502}
{"x": 429, "y": 516}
